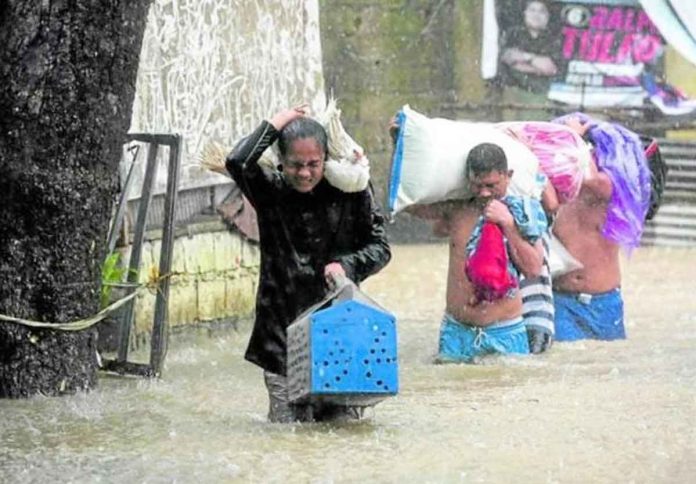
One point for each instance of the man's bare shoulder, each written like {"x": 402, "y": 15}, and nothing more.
{"x": 588, "y": 200}
{"x": 462, "y": 219}
{"x": 439, "y": 210}
{"x": 462, "y": 208}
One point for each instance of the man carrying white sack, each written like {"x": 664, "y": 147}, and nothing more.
{"x": 310, "y": 232}
{"x": 609, "y": 213}
{"x": 478, "y": 322}
{"x": 429, "y": 166}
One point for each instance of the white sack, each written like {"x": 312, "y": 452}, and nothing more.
{"x": 430, "y": 155}
{"x": 560, "y": 260}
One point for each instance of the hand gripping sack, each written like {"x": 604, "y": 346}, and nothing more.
{"x": 429, "y": 160}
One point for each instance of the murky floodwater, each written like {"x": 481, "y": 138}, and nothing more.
{"x": 585, "y": 412}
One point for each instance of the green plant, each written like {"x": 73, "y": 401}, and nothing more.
{"x": 112, "y": 273}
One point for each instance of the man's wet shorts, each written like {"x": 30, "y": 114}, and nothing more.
{"x": 461, "y": 342}
{"x": 589, "y": 316}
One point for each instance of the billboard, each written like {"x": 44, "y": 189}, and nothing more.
{"x": 582, "y": 52}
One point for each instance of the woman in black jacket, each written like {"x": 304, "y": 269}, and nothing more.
{"x": 310, "y": 232}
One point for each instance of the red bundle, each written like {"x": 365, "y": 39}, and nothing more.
{"x": 487, "y": 267}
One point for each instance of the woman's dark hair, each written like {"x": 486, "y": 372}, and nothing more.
{"x": 302, "y": 128}
{"x": 485, "y": 158}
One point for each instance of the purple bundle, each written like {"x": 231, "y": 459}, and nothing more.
{"x": 619, "y": 154}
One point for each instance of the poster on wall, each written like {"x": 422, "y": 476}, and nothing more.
{"x": 580, "y": 52}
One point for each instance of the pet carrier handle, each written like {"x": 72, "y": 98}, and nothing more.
{"x": 337, "y": 280}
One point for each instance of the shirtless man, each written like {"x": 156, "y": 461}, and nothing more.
{"x": 471, "y": 327}
{"x": 587, "y": 301}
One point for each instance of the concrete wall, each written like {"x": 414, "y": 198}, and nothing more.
{"x": 379, "y": 55}
{"x": 680, "y": 72}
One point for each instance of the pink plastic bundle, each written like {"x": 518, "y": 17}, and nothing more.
{"x": 563, "y": 155}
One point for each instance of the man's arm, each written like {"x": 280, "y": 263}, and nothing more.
{"x": 540, "y": 339}
{"x": 514, "y": 55}
{"x": 598, "y": 183}
{"x": 437, "y": 213}
{"x": 529, "y": 62}
{"x": 527, "y": 257}
{"x": 549, "y": 199}
{"x": 431, "y": 211}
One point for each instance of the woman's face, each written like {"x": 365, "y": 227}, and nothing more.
{"x": 303, "y": 165}
{"x": 536, "y": 16}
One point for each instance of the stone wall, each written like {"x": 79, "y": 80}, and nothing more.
{"x": 214, "y": 277}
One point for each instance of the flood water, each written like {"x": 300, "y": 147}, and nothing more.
{"x": 585, "y": 412}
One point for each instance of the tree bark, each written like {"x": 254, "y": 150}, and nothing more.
{"x": 67, "y": 77}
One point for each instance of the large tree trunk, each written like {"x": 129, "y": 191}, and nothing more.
{"x": 67, "y": 77}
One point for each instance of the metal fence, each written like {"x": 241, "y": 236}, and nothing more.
{"x": 675, "y": 222}
{"x": 192, "y": 204}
